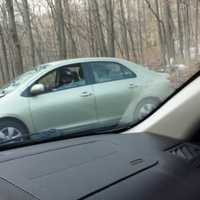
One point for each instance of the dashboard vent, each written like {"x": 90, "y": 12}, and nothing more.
{"x": 186, "y": 151}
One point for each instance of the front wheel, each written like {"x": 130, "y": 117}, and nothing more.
{"x": 145, "y": 107}
{"x": 11, "y": 130}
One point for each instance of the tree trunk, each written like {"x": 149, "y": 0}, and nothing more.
{"x": 187, "y": 31}
{"x": 60, "y": 29}
{"x": 180, "y": 29}
{"x": 161, "y": 30}
{"x": 110, "y": 27}
{"x": 3, "y": 77}
{"x": 140, "y": 32}
{"x": 5, "y": 69}
{"x": 124, "y": 30}
{"x": 197, "y": 29}
{"x": 131, "y": 31}
{"x": 69, "y": 29}
{"x": 29, "y": 29}
{"x": 169, "y": 31}
{"x": 13, "y": 31}
{"x": 91, "y": 38}
{"x": 100, "y": 32}
{"x": 161, "y": 33}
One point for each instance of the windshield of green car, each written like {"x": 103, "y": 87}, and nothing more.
{"x": 21, "y": 79}
{"x": 17, "y": 81}
{"x": 112, "y": 64}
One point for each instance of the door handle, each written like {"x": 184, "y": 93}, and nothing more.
{"x": 132, "y": 85}
{"x": 86, "y": 94}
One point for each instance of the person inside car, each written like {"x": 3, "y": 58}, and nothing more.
{"x": 68, "y": 79}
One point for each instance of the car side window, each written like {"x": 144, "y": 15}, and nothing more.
{"x": 70, "y": 77}
{"x": 108, "y": 71}
{"x": 49, "y": 80}
{"x": 63, "y": 78}
{"x": 128, "y": 73}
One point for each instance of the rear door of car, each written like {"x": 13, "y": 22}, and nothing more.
{"x": 113, "y": 86}
{"x": 70, "y": 108}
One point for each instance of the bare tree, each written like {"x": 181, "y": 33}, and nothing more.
{"x": 124, "y": 29}
{"x": 29, "y": 29}
{"x": 150, "y": 32}
{"x": 130, "y": 27}
{"x": 197, "y": 28}
{"x": 13, "y": 30}
{"x": 109, "y": 8}
{"x": 91, "y": 34}
{"x": 6, "y": 76}
{"x": 180, "y": 29}
{"x": 161, "y": 30}
{"x": 186, "y": 22}
{"x": 3, "y": 76}
{"x": 169, "y": 24}
{"x": 69, "y": 29}
{"x": 140, "y": 31}
{"x": 100, "y": 33}
{"x": 57, "y": 12}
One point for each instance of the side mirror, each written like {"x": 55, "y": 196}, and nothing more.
{"x": 37, "y": 89}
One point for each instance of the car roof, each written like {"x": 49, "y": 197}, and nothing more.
{"x": 80, "y": 60}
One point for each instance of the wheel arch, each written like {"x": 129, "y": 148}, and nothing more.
{"x": 142, "y": 101}
{"x": 14, "y": 119}
{"x": 155, "y": 98}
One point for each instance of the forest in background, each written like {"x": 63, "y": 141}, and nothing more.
{"x": 154, "y": 33}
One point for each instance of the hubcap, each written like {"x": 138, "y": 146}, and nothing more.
{"x": 9, "y": 133}
{"x": 146, "y": 110}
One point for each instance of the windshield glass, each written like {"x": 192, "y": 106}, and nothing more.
{"x": 17, "y": 81}
{"x": 22, "y": 78}
{"x": 113, "y": 63}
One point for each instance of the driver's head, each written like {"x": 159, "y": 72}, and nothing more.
{"x": 66, "y": 76}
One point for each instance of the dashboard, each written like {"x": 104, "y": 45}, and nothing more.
{"x": 139, "y": 166}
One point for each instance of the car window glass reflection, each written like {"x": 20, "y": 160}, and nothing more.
{"x": 106, "y": 71}
{"x": 63, "y": 78}
{"x": 70, "y": 77}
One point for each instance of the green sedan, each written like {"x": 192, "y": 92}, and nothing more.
{"x": 79, "y": 95}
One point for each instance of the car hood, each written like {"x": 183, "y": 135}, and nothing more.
{"x": 2, "y": 94}
{"x": 6, "y": 92}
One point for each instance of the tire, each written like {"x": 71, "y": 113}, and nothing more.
{"x": 10, "y": 130}
{"x": 145, "y": 107}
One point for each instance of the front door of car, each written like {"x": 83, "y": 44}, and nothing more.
{"x": 113, "y": 91}
{"x": 64, "y": 105}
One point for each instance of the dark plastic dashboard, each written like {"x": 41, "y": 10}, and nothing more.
{"x": 116, "y": 167}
